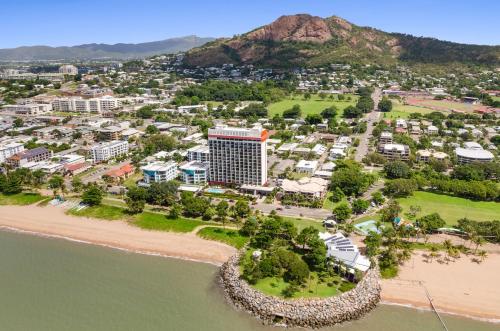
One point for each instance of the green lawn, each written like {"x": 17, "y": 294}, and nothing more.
{"x": 301, "y": 223}
{"x": 315, "y": 105}
{"x": 21, "y": 199}
{"x": 313, "y": 288}
{"x": 145, "y": 220}
{"x": 403, "y": 111}
{"x": 132, "y": 179}
{"x": 227, "y": 236}
{"x": 329, "y": 204}
{"x": 154, "y": 221}
{"x": 104, "y": 212}
{"x": 451, "y": 209}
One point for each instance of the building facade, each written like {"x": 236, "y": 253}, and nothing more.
{"x": 238, "y": 155}
{"x": 10, "y": 149}
{"x": 27, "y": 156}
{"x": 106, "y": 151}
{"x": 199, "y": 153}
{"x": 194, "y": 172}
{"x": 159, "y": 172}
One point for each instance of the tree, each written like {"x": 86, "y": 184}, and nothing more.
{"x": 175, "y": 211}
{"x": 136, "y": 199}
{"x": 209, "y": 214}
{"x": 293, "y": 112}
{"x": 337, "y": 195}
{"x": 313, "y": 119}
{"x": 352, "y": 112}
{"x": 307, "y": 96}
{"x": 56, "y": 182}
{"x": 351, "y": 180}
{"x": 431, "y": 222}
{"x": 76, "y": 184}
{"x": 365, "y": 104}
{"x": 397, "y": 169}
{"x": 18, "y": 122}
{"x": 391, "y": 211}
{"x": 400, "y": 187}
{"x": 307, "y": 234}
{"x": 145, "y": 112}
{"x": 385, "y": 105}
{"x": 378, "y": 198}
{"x": 342, "y": 212}
{"x": 221, "y": 211}
{"x": 152, "y": 129}
{"x": 250, "y": 227}
{"x": 359, "y": 206}
{"x": 329, "y": 113}
{"x": 242, "y": 209}
{"x": 92, "y": 196}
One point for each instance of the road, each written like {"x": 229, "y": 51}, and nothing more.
{"x": 292, "y": 211}
{"x": 371, "y": 118}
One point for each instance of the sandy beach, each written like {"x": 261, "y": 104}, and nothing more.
{"x": 52, "y": 221}
{"x": 461, "y": 287}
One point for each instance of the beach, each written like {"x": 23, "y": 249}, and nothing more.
{"x": 52, "y": 221}
{"x": 461, "y": 287}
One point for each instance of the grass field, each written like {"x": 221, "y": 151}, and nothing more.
{"x": 227, "y": 236}
{"x": 301, "y": 223}
{"x": 329, "y": 204}
{"x": 132, "y": 180}
{"x": 145, "y": 220}
{"x": 21, "y": 199}
{"x": 315, "y": 105}
{"x": 449, "y": 105}
{"x": 403, "y": 111}
{"x": 451, "y": 209}
{"x": 313, "y": 288}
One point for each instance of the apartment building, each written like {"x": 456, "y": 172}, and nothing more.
{"x": 7, "y": 150}
{"x": 68, "y": 69}
{"x": 29, "y": 109}
{"x": 81, "y": 105}
{"x": 238, "y": 155}
{"x": 108, "y": 150}
{"x": 28, "y": 156}
{"x": 395, "y": 151}
{"x": 199, "y": 153}
{"x": 159, "y": 172}
{"x": 386, "y": 137}
{"x": 194, "y": 172}
{"x": 472, "y": 152}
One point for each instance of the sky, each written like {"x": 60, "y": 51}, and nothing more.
{"x": 73, "y": 22}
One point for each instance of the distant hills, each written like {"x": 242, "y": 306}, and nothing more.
{"x": 305, "y": 40}
{"x": 102, "y": 51}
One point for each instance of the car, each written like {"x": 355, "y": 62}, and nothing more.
{"x": 287, "y": 207}
{"x": 279, "y": 208}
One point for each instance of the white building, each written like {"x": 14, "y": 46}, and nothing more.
{"x": 159, "y": 172}
{"x": 194, "y": 172}
{"x": 81, "y": 105}
{"x": 472, "y": 152}
{"x": 108, "y": 150}
{"x": 7, "y": 150}
{"x": 308, "y": 167}
{"x": 238, "y": 155}
{"x": 314, "y": 187}
{"x": 395, "y": 151}
{"x": 68, "y": 69}
{"x": 343, "y": 250}
{"x": 199, "y": 153}
{"x": 29, "y": 109}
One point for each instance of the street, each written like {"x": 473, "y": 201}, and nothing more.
{"x": 371, "y": 118}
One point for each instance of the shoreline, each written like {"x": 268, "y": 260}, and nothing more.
{"x": 189, "y": 247}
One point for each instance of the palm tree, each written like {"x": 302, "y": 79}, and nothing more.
{"x": 434, "y": 253}
{"x": 482, "y": 255}
{"x": 479, "y": 241}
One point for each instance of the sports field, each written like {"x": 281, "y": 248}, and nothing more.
{"x": 451, "y": 209}
{"x": 315, "y": 105}
{"x": 400, "y": 110}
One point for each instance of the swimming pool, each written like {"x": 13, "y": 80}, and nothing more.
{"x": 215, "y": 190}
{"x": 367, "y": 227}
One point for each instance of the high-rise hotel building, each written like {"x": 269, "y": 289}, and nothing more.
{"x": 237, "y": 155}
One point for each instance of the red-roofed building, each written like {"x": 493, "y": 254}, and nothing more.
{"x": 76, "y": 168}
{"x": 122, "y": 172}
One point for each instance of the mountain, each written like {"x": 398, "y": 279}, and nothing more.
{"x": 305, "y": 40}
{"x": 101, "y": 51}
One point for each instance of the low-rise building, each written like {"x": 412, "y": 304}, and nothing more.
{"x": 386, "y": 137}
{"x": 29, "y": 109}
{"x": 199, "y": 153}
{"x": 159, "y": 172}
{"x": 473, "y": 152}
{"x": 32, "y": 155}
{"x": 194, "y": 172}
{"x": 108, "y": 150}
{"x": 395, "y": 151}
{"x": 7, "y": 150}
{"x": 344, "y": 251}
{"x": 313, "y": 187}
{"x": 425, "y": 155}
{"x": 308, "y": 167}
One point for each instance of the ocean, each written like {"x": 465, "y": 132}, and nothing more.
{"x": 54, "y": 284}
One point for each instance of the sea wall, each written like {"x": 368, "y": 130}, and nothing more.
{"x": 309, "y": 313}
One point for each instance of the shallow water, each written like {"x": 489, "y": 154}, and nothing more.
{"x": 52, "y": 284}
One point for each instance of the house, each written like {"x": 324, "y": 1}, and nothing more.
{"x": 308, "y": 167}
{"x": 120, "y": 173}
{"x": 319, "y": 149}
{"x": 432, "y": 130}
{"x": 344, "y": 252}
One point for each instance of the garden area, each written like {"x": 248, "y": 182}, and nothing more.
{"x": 21, "y": 199}
{"x": 282, "y": 261}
